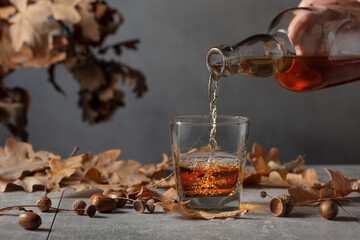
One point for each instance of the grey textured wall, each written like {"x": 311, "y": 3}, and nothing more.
{"x": 175, "y": 37}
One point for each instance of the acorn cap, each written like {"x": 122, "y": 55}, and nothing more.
{"x": 139, "y": 206}
{"x": 289, "y": 203}
{"x": 277, "y": 207}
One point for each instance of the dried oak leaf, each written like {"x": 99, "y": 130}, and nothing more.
{"x": 18, "y": 157}
{"x": 149, "y": 193}
{"x": 31, "y": 183}
{"x": 150, "y": 169}
{"x": 356, "y": 185}
{"x": 126, "y": 172}
{"x": 297, "y": 163}
{"x": 277, "y": 178}
{"x": 260, "y": 158}
{"x": 164, "y": 183}
{"x": 29, "y": 23}
{"x": 7, "y": 52}
{"x": 172, "y": 194}
{"x": 65, "y": 10}
{"x": 82, "y": 186}
{"x": 307, "y": 178}
{"x": 178, "y": 208}
{"x": 7, "y": 11}
{"x": 340, "y": 184}
{"x": 252, "y": 177}
{"x": 62, "y": 168}
{"x": 44, "y": 53}
{"x": 14, "y": 104}
{"x": 303, "y": 194}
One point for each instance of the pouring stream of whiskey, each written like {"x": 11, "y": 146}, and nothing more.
{"x": 213, "y": 89}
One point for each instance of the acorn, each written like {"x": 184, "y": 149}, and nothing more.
{"x": 281, "y": 205}
{"x": 329, "y": 209}
{"x": 103, "y": 204}
{"x": 90, "y": 210}
{"x": 119, "y": 198}
{"x": 29, "y": 220}
{"x": 79, "y": 207}
{"x": 150, "y": 205}
{"x": 43, "y": 204}
{"x": 94, "y": 196}
{"x": 139, "y": 206}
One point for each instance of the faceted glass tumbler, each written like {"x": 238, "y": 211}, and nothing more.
{"x": 205, "y": 183}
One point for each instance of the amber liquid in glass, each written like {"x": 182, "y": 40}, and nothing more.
{"x": 204, "y": 179}
{"x": 304, "y": 73}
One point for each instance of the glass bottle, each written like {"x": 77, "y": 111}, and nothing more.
{"x": 306, "y": 49}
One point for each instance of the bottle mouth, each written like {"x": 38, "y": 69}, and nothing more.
{"x": 215, "y": 61}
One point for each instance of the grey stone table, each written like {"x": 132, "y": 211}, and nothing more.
{"x": 303, "y": 223}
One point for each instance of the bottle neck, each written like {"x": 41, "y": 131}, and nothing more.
{"x": 259, "y": 56}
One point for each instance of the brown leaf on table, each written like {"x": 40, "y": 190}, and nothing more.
{"x": 297, "y": 163}
{"x": 260, "y": 158}
{"x": 307, "y": 178}
{"x": 277, "y": 178}
{"x": 178, "y": 208}
{"x": 252, "y": 177}
{"x": 18, "y": 157}
{"x": 150, "y": 169}
{"x": 127, "y": 172}
{"x": 93, "y": 175}
{"x": 62, "y": 168}
{"x": 340, "y": 183}
{"x": 30, "y": 183}
{"x": 164, "y": 183}
{"x": 149, "y": 193}
{"x": 303, "y": 194}
{"x": 356, "y": 185}
{"x": 83, "y": 186}
{"x": 172, "y": 194}
{"x": 14, "y": 105}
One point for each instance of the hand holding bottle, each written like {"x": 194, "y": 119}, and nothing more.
{"x": 307, "y": 30}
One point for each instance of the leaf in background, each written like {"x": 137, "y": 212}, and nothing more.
{"x": 356, "y": 185}
{"x": 18, "y": 157}
{"x": 260, "y": 158}
{"x": 62, "y": 168}
{"x": 40, "y": 55}
{"x": 277, "y": 178}
{"x": 126, "y": 172}
{"x": 65, "y": 10}
{"x": 14, "y": 105}
{"x": 28, "y": 24}
{"x": 7, "y": 11}
{"x": 6, "y": 51}
{"x": 88, "y": 28}
{"x": 297, "y": 163}
{"x": 150, "y": 169}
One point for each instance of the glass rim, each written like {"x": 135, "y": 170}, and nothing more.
{"x": 234, "y": 120}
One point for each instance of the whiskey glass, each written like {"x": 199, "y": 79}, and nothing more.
{"x": 205, "y": 183}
